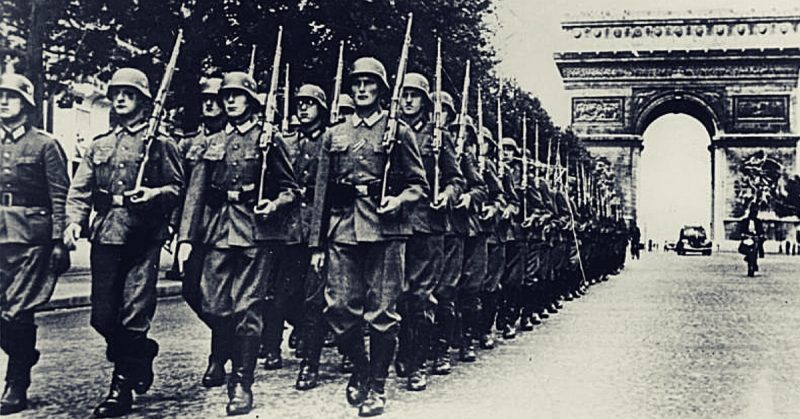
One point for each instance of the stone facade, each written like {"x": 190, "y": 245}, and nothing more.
{"x": 737, "y": 75}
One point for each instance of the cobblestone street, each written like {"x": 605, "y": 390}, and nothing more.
{"x": 669, "y": 337}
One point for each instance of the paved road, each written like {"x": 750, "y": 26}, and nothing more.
{"x": 671, "y": 337}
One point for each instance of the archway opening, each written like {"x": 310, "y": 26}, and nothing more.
{"x": 675, "y": 183}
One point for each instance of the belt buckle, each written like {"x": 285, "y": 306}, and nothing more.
{"x": 363, "y": 190}
{"x": 234, "y": 196}
{"x": 117, "y": 200}
{"x": 7, "y": 199}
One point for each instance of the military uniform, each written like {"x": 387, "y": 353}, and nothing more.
{"x": 496, "y": 256}
{"x": 511, "y": 278}
{"x": 33, "y": 189}
{"x": 365, "y": 250}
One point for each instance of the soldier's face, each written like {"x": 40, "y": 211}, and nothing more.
{"x": 365, "y": 91}
{"x": 11, "y": 105}
{"x": 235, "y": 103}
{"x": 125, "y": 100}
{"x": 211, "y": 108}
{"x": 508, "y": 153}
{"x": 412, "y": 102}
{"x": 307, "y": 110}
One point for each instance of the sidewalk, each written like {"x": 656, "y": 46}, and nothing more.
{"x": 73, "y": 289}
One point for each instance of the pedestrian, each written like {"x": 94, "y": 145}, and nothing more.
{"x": 635, "y": 237}
{"x": 33, "y": 190}
{"x": 362, "y": 234}
{"x": 191, "y": 148}
{"x": 127, "y": 232}
{"x": 425, "y": 248}
{"x": 236, "y": 211}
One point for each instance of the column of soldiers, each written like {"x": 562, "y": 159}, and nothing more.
{"x": 424, "y": 242}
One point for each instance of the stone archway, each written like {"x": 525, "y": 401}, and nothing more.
{"x": 737, "y": 75}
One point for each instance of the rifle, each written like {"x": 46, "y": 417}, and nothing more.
{"x": 390, "y": 135}
{"x": 501, "y": 170}
{"x": 481, "y": 156}
{"x": 337, "y": 85}
{"x": 252, "y": 69}
{"x": 268, "y": 127}
{"x": 547, "y": 170}
{"x": 158, "y": 108}
{"x": 462, "y": 118}
{"x": 524, "y": 167}
{"x": 438, "y": 123}
{"x": 285, "y": 121}
{"x": 536, "y": 152}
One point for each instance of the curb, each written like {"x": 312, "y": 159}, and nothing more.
{"x": 164, "y": 288}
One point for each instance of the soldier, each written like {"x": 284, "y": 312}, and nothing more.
{"x": 33, "y": 189}
{"x": 240, "y": 243}
{"x": 126, "y": 233}
{"x": 191, "y": 149}
{"x": 296, "y": 289}
{"x": 425, "y": 248}
{"x": 346, "y": 105}
{"x": 363, "y": 235}
{"x": 515, "y": 244}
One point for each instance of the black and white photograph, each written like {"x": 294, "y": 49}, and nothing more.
{"x": 520, "y": 209}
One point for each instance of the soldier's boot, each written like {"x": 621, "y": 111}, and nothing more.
{"x": 441, "y": 342}
{"x": 405, "y": 346}
{"x": 351, "y": 344}
{"x": 137, "y": 357}
{"x": 346, "y": 366}
{"x": 526, "y": 321}
{"x": 418, "y": 378}
{"x": 271, "y": 336}
{"x": 19, "y": 342}
{"x": 119, "y": 401}
{"x": 486, "y": 319}
{"x": 314, "y": 338}
{"x": 240, "y": 393}
{"x": 220, "y": 353}
{"x": 469, "y": 320}
{"x": 381, "y": 348}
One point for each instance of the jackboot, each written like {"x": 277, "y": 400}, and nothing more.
{"x": 405, "y": 346}
{"x": 469, "y": 321}
{"x": 418, "y": 377}
{"x": 220, "y": 353}
{"x": 19, "y": 341}
{"x": 240, "y": 394}
{"x": 309, "y": 366}
{"x": 119, "y": 401}
{"x": 351, "y": 344}
{"x": 139, "y": 355}
{"x": 381, "y": 347}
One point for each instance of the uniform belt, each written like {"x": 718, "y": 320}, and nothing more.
{"x": 343, "y": 193}
{"x": 217, "y": 197}
{"x": 11, "y": 199}
{"x": 104, "y": 200}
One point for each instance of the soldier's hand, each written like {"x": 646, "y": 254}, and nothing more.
{"x": 441, "y": 203}
{"x": 141, "y": 194}
{"x": 265, "y": 207}
{"x": 489, "y": 211}
{"x": 59, "y": 259}
{"x": 508, "y": 212}
{"x": 528, "y": 222}
{"x": 390, "y": 205}
{"x": 318, "y": 260}
{"x": 71, "y": 235}
{"x": 184, "y": 251}
{"x": 464, "y": 202}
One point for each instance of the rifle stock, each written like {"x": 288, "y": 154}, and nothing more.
{"x": 438, "y": 122}
{"x": 268, "y": 127}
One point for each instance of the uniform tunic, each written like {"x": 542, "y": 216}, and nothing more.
{"x": 219, "y": 213}
{"x": 125, "y": 237}
{"x": 33, "y": 190}
{"x": 366, "y": 250}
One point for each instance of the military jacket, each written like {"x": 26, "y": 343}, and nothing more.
{"x": 353, "y": 154}
{"x": 223, "y": 190}
{"x": 467, "y": 220}
{"x": 33, "y": 186}
{"x": 191, "y": 149}
{"x": 425, "y": 219}
{"x": 496, "y": 196}
{"x": 109, "y": 169}
{"x": 303, "y": 149}
{"x": 505, "y": 228}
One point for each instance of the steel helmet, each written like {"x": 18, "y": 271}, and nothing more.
{"x": 210, "y": 86}
{"x": 419, "y": 82}
{"x": 345, "y": 101}
{"x": 239, "y": 80}
{"x": 312, "y": 91}
{"x": 509, "y": 142}
{"x": 487, "y": 133}
{"x": 447, "y": 100}
{"x": 369, "y": 66}
{"x": 131, "y": 77}
{"x": 19, "y": 84}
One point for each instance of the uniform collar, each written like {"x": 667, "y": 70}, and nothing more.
{"x": 132, "y": 129}
{"x": 418, "y": 122}
{"x": 369, "y": 121}
{"x": 242, "y": 128}
{"x": 16, "y": 133}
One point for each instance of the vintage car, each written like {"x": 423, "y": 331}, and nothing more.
{"x": 693, "y": 239}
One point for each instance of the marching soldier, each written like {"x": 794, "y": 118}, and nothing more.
{"x": 425, "y": 248}
{"x": 33, "y": 189}
{"x": 126, "y": 234}
{"x": 191, "y": 149}
{"x": 512, "y": 272}
{"x": 240, "y": 243}
{"x": 362, "y": 233}
{"x": 297, "y": 290}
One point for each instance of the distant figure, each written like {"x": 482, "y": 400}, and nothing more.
{"x": 80, "y": 150}
{"x": 666, "y": 246}
{"x": 650, "y": 245}
{"x": 636, "y": 238}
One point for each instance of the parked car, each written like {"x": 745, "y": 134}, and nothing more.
{"x": 693, "y": 239}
